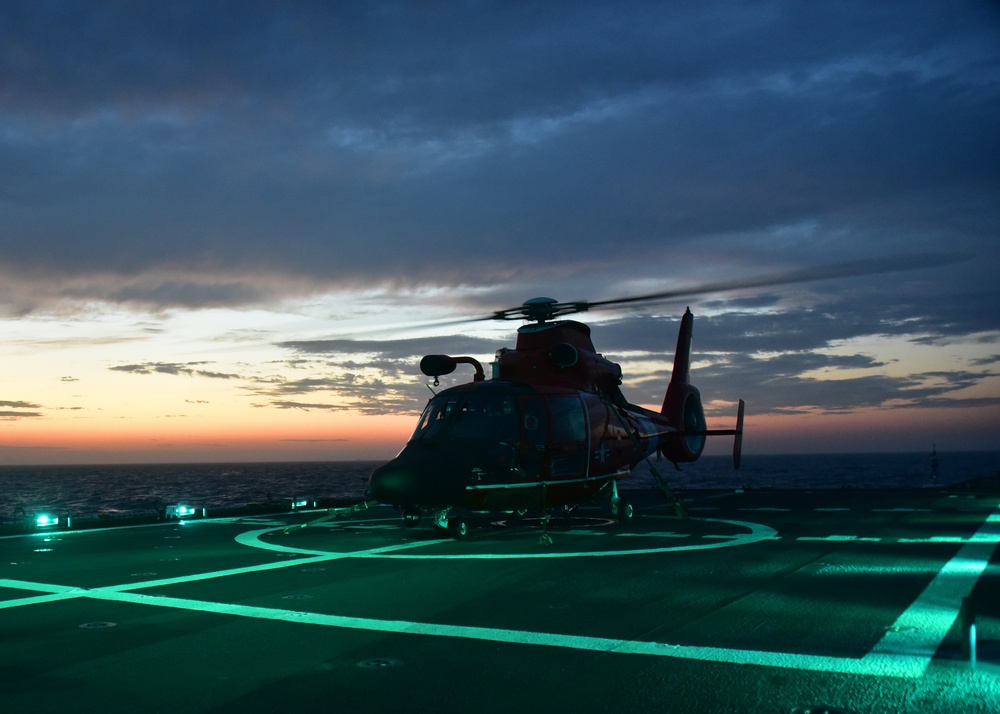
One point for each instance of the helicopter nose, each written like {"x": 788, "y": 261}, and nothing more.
{"x": 394, "y": 483}
{"x": 416, "y": 479}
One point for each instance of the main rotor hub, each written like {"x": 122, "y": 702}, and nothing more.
{"x": 540, "y": 309}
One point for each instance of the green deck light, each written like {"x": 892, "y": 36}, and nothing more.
{"x": 49, "y": 519}
{"x": 180, "y": 511}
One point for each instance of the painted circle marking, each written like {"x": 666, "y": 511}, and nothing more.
{"x": 756, "y": 532}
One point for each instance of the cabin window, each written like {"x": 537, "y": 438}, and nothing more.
{"x": 534, "y": 423}
{"x": 569, "y": 436}
{"x": 486, "y": 416}
{"x": 569, "y": 423}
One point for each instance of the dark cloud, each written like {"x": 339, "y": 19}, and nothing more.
{"x": 18, "y": 410}
{"x": 233, "y": 154}
{"x": 305, "y": 406}
{"x": 216, "y": 140}
{"x": 406, "y": 349}
{"x": 20, "y": 405}
{"x": 388, "y": 393}
{"x": 187, "y": 369}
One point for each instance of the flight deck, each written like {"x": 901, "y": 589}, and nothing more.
{"x": 760, "y": 601}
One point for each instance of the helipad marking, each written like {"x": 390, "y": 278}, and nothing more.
{"x": 905, "y": 651}
{"x": 901, "y": 510}
{"x": 926, "y": 622}
{"x": 63, "y": 592}
{"x": 904, "y": 665}
{"x": 758, "y": 532}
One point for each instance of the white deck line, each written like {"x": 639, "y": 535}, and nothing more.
{"x": 905, "y": 651}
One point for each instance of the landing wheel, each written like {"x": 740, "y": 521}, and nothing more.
{"x": 411, "y": 516}
{"x": 457, "y": 527}
{"x": 624, "y": 511}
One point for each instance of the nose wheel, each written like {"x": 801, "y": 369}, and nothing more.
{"x": 411, "y": 517}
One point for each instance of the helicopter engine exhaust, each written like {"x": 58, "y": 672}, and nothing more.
{"x": 682, "y": 406}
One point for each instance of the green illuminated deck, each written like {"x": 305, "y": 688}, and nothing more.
{"x": 761, "y": 602}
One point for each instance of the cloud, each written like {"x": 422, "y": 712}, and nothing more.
{"x": 393, "y": 350}
{"x": 196, "y": 157}
{"x": 20, "y": 405}
{"x": 172, "y": 368}
{"x": 305, "y": 406}
{"x": 464, "y": 157}
{"x": 16, "y": 410}
{"x": 379, "y": 393}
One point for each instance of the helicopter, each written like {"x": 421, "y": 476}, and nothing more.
{"x": 550, "y": 429}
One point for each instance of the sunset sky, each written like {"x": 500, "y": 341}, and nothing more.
{"x": 217, "y": 218}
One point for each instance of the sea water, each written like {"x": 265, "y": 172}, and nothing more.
{"x": 131, "y": 489}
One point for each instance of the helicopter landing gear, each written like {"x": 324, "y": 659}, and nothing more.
{"x": 620, "y": 508}
{"x": 545, "y": 540}
{"x": 456, "y": 526}
{"x": 411, "y": 517}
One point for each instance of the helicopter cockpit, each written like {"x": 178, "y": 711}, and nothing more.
{"x": 473, "y": 414}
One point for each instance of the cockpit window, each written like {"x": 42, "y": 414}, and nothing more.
{"x": 435, "y": 414}
{"x": 473, "y": 416}
{"x": 487, "y": 416}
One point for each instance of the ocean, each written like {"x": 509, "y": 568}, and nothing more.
{"x": 90, "y": 491}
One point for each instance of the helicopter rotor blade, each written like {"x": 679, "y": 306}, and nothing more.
{"x": 543, "y": 309}
{"x": 847, "y": 269}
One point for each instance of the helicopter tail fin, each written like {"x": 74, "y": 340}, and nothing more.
{"x": 682, "y": 403}
{"x": 683, "y": 409}
{"x": 682, "y": 355}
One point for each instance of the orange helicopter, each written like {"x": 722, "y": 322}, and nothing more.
{"x": 550, "y": 428}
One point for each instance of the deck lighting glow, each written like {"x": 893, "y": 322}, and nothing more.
{"x": 180, "y": 511}
{"x": 48, "y": 519}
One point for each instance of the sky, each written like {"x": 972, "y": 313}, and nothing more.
{"x": 223, "y": 223}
